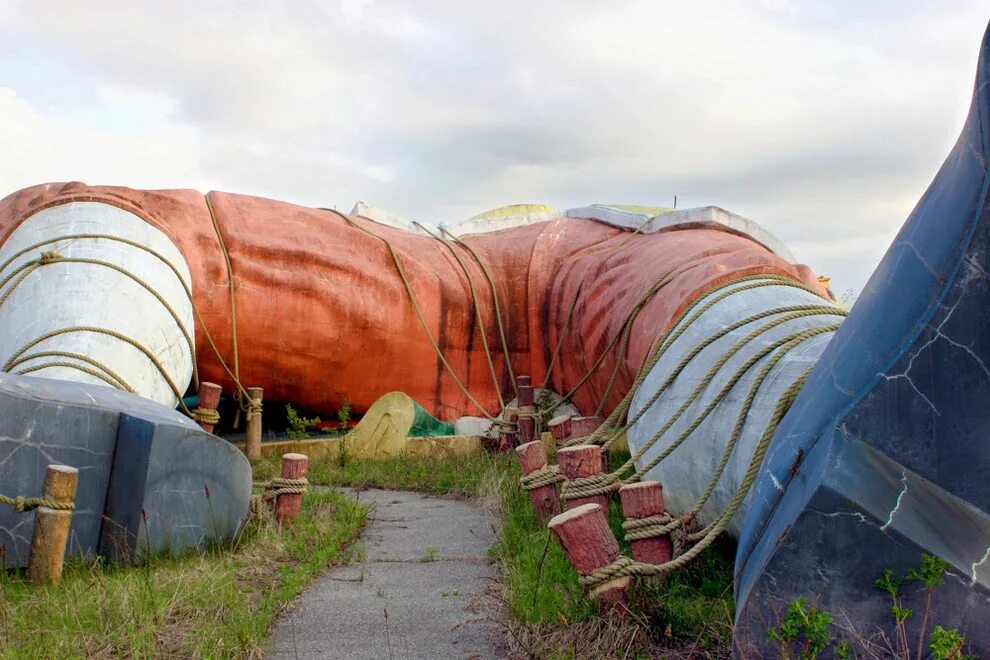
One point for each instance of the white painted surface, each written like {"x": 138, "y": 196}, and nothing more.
{"x": 484, "y": 224}
{"x": 62, "y": 295}
{"x": 685, "y": 473}
{"x": 383, "y": 217}
{"x": 708, "y": 217}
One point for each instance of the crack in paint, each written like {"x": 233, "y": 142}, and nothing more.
{"x": 897, "y": 505}
{"x": 977, "y": 564}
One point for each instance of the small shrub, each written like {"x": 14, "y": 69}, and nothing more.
{"x": 298, "y": 426}
{"x": 804, "y": 625}
{"x": 946, "y": 644}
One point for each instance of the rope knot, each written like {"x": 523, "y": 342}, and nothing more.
{"x": 49, "y": 257}
{"x": 205, "y": 415}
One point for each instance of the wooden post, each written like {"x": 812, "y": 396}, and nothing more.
{"x": 532, "y": 457}
{"x": 526, "y": 401}
{"x": 209, "y": 399}
{"x": 584, "y": 534}
{"x": 51, "y": 526}
{"x": 581, "y": 461}
{"x": 506, "y": 436}
{"x": 288, "y": 505}
{"x": 560, "y": 428}
{"x": 252, "y": 441}
{"x": 643, "y": 500}
{"x": 582, "y": 427}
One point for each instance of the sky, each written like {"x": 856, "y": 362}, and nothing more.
{"x": 822, "y": 121}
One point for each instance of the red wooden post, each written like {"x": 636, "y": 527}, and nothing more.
{"x": 532, "y": 457}
{"x": 287, "y": 505}
{"x": 209, "y": 399}
{"x": 581, "y": 461}
{"x": 527, "y": 429}
{"x": 560, "y": 429}
{"x": 584, "y": 534}
{"x": 526, "y": 402}
{"x": 643, "y": 500}
{"x": 526, "y": 393}
{"x": 582, "y": 427}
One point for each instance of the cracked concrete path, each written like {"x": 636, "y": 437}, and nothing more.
{"x": 419, "y": 591}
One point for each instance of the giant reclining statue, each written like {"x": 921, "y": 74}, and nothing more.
{"x": 693, "y": 327}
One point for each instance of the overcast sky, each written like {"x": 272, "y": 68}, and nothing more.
{"x": 823, "y": 121}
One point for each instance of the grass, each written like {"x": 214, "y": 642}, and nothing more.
{"x": 460, "y": 476}
{"x": 688, "y": 613}
{"x": 215, "y": 604}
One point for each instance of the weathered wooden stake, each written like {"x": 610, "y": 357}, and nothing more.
{"x": 288, "y": 505}
{"x": 209, "y": 399}
{"x": 526, "y": 402}
{"x": 252, "y": 441}
{"x": 532, "y": 457}
{"x": 582, "y": 427}
{"x": 584, "y": 534}
{"x": 560, "y": 428}
{"x": 51, "y": 526}
{"x": 643, "y": 500}
{"x": 581, "y": 461}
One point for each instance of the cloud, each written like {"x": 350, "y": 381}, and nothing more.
{"x": 822, "y": 121}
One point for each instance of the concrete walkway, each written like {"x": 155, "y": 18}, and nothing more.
{"x": 419, "y": 591}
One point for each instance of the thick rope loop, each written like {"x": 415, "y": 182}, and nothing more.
{"x": 596, "y": 484}
{"x": 548, "y": 475}
{"x": 205, "y": 415}
{"x": 23, "y": 504}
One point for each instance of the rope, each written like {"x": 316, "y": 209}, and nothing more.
{"x": 418, "y": 311}
{"x": 24, "y": 504}
{"x": 548, "y": 475}
{"x": 623, "y": 566}
{"x": 596, "y": 484}
{"x": 241, "y": 394}
{"x": 495, "y": 302}
{"x": 611, "y": 427}
{"x": 205, "y": 415}
{"x": 49, "y": 257}
{"x": 109, "y": 380}
{"x": 112, "y": 333}
{"x": 52, "y": 257}
{"x": 577, "y": 295}
{"x": 627, "y": 324}
{"x": 477, "y": 311}
{"x": 273, "y": 489}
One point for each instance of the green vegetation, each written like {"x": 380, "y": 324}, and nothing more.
{"x": 931, "y": 574}
{"x": 806, "y": 627}
{"x": 689, "y": 610}
{"x": 216, "y": 604}
{"x": 461, "y": 476}
{"x": 297, "y": 426}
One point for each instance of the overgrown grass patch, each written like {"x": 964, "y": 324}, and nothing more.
{"x": 215, "y": 604}
{"x": 687, "y": 613}
{"x": 458, "y": 475}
